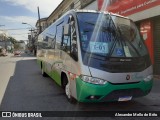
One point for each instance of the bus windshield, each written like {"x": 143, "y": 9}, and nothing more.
{"x": 109, "y": 35}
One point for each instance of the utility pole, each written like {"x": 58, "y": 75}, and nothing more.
{"x": 39, "y": 19}
{"x": 32, "y": 39}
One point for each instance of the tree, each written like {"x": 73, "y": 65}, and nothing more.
{"x": 12, "y": 40}
{"x": 21, "y": 41}
{"x": 17, "y": 46}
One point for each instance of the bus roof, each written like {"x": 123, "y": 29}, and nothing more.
{"x": 96, "y": 11}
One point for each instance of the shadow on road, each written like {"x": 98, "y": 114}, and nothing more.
{"x": 28, "y": 90}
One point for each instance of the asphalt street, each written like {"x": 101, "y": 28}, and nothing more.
{"x": 22, "y": 88}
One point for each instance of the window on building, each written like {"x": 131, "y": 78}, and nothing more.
{"x": 72, "y": 6}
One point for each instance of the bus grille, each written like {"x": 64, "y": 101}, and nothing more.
{"x": 115, "y": 95}
{"x": 125, "y": 67}
{"x": 135, "y": 65}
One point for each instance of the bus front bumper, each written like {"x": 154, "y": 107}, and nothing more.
{"x": 87, "y": 92}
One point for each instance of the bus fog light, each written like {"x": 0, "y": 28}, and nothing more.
{"x": 92, "y": 97}
{"x": 148, "y": 78}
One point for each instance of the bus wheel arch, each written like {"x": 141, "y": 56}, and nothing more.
{"x": 66, "y": 86}
{"x": 64, "y": 80}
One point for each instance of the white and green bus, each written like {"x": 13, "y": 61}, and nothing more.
{"x": 96, "y": 57}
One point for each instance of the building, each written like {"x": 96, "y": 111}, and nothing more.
{"x": 6, "y": 45}
{"x": 41, "y": 25}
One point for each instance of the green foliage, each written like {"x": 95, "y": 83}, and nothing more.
{"x": 17, "y": 46}
{"x": 12, "y": 40}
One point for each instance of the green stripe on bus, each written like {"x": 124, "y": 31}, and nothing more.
{"x": 56, "y": 76}
{"x": 39, "y": 62}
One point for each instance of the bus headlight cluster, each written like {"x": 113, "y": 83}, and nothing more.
{"x": 148, "y": 78}
{"x": 93, "y": 80}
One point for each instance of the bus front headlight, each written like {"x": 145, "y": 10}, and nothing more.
{"x": 148, "y": 78}
{"x": 93, "y": 80}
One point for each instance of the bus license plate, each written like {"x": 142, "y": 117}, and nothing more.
{"x": 127, "y": 98}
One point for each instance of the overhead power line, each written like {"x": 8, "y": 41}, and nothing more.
{"x": 15, "y": 29}
{"x": 20, "y": 34}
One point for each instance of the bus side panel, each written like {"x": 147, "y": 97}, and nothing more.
{"x": 71, "y": 69}
{"x": 39, "y": 62}
{"x": 56, "y": 77}
{"x": 41, "y": 57}
{"x": 76, "y": 72}
{"x": 53, "y": 68}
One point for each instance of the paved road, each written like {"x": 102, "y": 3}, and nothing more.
{"x": 27, "y": 90}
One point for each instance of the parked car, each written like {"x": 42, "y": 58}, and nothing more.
{"x": 3, "y": 52}
{"x": 17, "y": 52}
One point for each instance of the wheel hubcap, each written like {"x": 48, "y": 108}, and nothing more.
{"x": 67, "y": 91}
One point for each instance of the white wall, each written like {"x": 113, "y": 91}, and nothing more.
{"x": 152, "y": 12}
{"x": 92, "y": 6}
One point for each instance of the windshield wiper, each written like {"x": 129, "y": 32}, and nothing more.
{"x": 113, "y": 46}
{"x": 129, "y": 42}
{"x": 135, "y": 49}
{"x": 115, "y": 39}
{"x": 110, "y": 30}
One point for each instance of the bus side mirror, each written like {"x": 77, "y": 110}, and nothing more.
{"x": 67, "y": 30}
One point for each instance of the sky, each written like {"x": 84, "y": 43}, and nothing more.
{"x": 14, "y": 12}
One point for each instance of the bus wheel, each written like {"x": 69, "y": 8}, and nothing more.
{"x": 68, "y": 93}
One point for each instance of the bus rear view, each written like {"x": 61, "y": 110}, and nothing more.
{"x": 116, "y": 56}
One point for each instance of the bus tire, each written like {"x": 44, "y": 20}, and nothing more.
{"x": 67, "y": 91}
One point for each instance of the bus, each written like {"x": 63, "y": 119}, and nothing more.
{"x": 95, "y": 56}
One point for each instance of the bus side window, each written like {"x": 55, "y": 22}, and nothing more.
{"x": 69, "y": 43}
{"x": 53, "y": 42}
{"x": 52, "y": 36}
{"x": 66, "y": 43}
{"x": 44, "y": 44}
{"x": 59, "y": 35}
